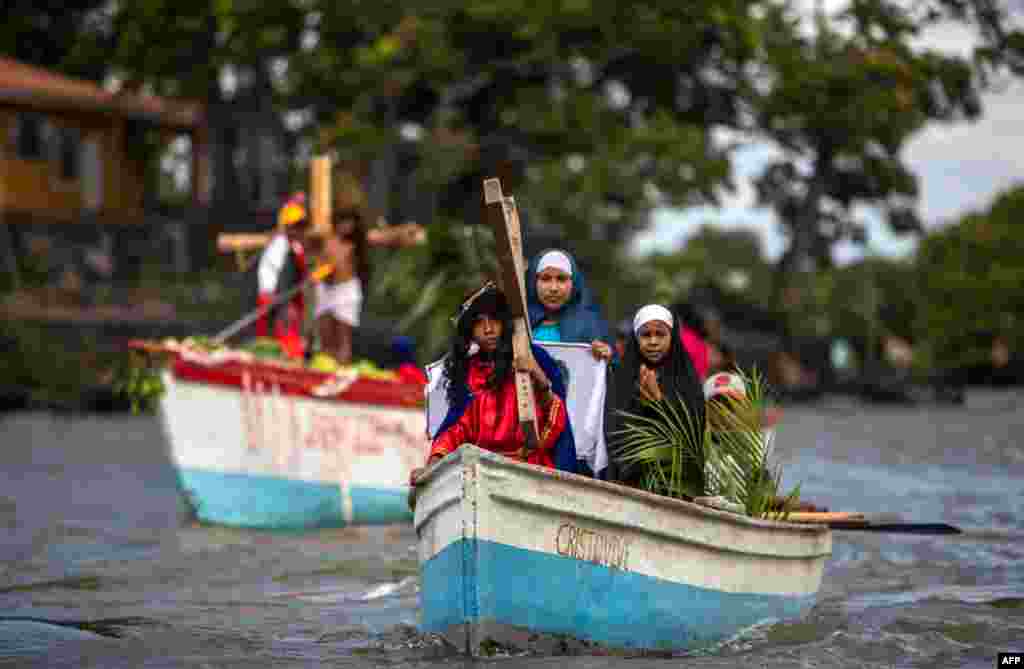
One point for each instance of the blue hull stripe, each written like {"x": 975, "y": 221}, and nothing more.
{"x": 270, "y": 502}
{"x": 558, "y": 595}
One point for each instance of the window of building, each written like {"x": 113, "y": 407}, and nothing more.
{"x": 31, "y": 129}
{"x": 69, "y": 153}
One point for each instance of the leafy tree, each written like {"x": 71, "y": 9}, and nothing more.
{"x": 841, "y": 103}
{"x": 46, "y": 32}
{"x": 592, "y": 113}
{"x": 731, "y": 259}
{"x": 182, "y": 48}
{"x": 970, "y": 286}
{"x": 862, "y": 302}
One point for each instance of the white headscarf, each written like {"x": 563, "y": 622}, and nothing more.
{"x": 652, "y": 312}
{"x": 555, "y": 259}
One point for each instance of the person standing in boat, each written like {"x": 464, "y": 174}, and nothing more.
{"x": 561, "y": 307}
{"x": 479, "y": 372}
{"x": 282, "y": 266}
{"x": 339, "y": 299}
{"x": 654, "y": 368}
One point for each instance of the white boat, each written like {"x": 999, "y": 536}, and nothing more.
{"x": 511, "y": 552}
{"x": 262, "y": 445}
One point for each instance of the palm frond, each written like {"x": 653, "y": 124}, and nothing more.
{"x": 728, "y": 456}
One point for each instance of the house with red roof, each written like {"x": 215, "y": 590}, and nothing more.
{"x": 70, "y": 147}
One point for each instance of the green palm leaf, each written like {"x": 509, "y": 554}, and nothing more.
{"x": 728, "y": 456}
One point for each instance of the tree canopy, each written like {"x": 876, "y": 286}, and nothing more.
{"x": 970, "y": 278}
{"x": 592, "y": 113}
{"x": 842, "y": 102}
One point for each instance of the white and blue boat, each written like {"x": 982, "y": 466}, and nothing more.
{"x": 511, "y": 552}
{"x": 262, "y": 445}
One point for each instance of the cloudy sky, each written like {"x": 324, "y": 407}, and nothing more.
{"x": 960, "y": 168}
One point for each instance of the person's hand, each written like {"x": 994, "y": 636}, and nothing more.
{"x": 416, "y": 473}
{"x": 648, "y": 383}
{"x": 600, "y": 350}
{"x": 523, "y": 363}
{"x": 412, "y": 234}
{"x": 527, "y": 363}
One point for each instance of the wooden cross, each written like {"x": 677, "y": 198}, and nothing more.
{"x": 503, "y": 217}
{"x": 320, "y": 208}
{"x": 320, "y": 202}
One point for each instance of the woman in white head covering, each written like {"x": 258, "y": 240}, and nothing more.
{"x": 654, "y": 367}
{"x": 561, "y": 307}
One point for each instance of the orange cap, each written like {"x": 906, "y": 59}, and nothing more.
{"x": 293, "y": 211}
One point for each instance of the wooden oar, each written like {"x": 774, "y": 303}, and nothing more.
{"x": 853, "y": 521}
{"x": 895, "y": 528}
{"x": 823, "y": 516}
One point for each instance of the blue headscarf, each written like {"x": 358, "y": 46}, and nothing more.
{"x": 565, "y": 447}
{"x": 579, "y": 319}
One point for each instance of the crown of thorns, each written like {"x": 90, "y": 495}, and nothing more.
{"x": 465, "y": 306}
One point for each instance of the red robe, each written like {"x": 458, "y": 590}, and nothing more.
{"x": 491, "y": 421}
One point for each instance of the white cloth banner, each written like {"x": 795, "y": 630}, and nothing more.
{"x": 586, "y": 380}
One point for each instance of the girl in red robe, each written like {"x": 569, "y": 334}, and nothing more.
{"x": 480, "y": 375}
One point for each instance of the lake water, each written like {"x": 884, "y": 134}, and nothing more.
{"x": 99, "y": 566}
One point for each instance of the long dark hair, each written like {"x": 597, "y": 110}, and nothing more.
{"x": 677, "y": 378}
{"x": 350, "y": 225}
{"x": 490, "y": 302}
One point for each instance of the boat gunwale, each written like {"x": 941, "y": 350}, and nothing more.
{"x": 182, "y": 370}
{"x": 668, "y": 503}
{"x": 656, "y": 532}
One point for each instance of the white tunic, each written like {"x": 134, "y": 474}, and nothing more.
{"x": 272, "y": 263}
{"x": 342, "y": 300}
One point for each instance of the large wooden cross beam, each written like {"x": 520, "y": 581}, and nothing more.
{"x": 320, "y": 206}
{"x": 320, "y": 200}
{"x": 503, "y": 217}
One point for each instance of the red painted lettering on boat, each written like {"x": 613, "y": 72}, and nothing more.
{"x": 295, "y": 443}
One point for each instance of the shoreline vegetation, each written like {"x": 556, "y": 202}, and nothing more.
{"x": 64, "y": 344}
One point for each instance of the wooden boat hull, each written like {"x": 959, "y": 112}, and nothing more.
{"x": 512, "y": 552}
{"x": 260, "y": 451}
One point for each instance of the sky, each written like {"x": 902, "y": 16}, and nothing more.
{"x": 960, "y": 167}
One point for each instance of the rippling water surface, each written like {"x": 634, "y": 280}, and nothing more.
{"x": 98, "y": 567}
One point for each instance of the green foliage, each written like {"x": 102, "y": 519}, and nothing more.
{"x": 845, "y": 99}
{"x": 969, "y": 289}
{"x": 737, "y": 460}
{"x": 138, "y": 380}
{"x": 863, "y": 300}
{"x": 727, "y": 457}
{"x": 419, "y": 289}
{"x": 46, "y": 34}
{"x": 729, "y": 259}
{"x": 671, "y": 448}
{"x": 54, "y": 366}
{"x": 593, "y": 114}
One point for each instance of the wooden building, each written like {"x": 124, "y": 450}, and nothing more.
{"x": 70, "y": 147}
{"x": 76, "y": 159}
